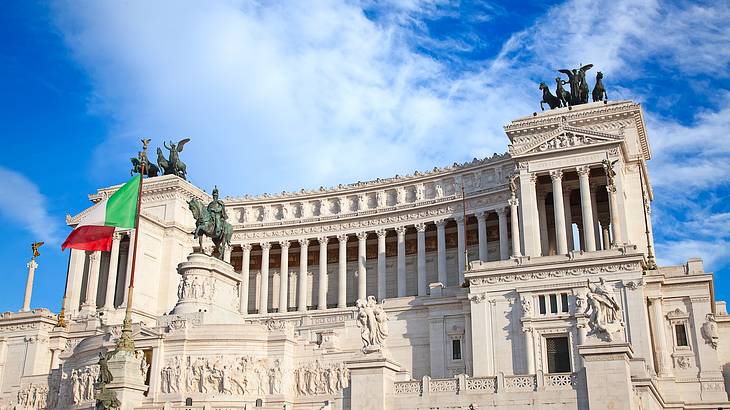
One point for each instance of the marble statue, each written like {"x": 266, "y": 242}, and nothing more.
{"x": 526, "y": 306}
{"x": 605, "y": 317}
{"x": 211, "y": 221}
{"x": 710, "y": 331}
{"x": 373, "y": 323}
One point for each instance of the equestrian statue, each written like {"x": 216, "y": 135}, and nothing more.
{"x": 579, "y": 89}
{"x": 150, "y": 169}
{"x": 211, "y": 221}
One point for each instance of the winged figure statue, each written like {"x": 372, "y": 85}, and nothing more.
{"x": 150, "y": 169}
{"x": 35, "y": 246}
{"x": 578, "y": 84}
{"x": 172, "y": 165}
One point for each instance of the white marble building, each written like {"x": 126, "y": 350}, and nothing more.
{"x": 562, "y": 305}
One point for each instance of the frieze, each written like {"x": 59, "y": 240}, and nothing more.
{"x": 553, "y": 273}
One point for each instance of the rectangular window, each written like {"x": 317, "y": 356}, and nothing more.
{"x": 553, "y": 303}
{"x": 541, "y": 301}
{"x": 456, "y": 349}
{"x": 681, "y": 331}
{"x": 564, "y": 302}
{"x": 558, "y": 354}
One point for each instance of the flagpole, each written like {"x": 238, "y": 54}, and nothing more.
{"x": 125, "y": 341}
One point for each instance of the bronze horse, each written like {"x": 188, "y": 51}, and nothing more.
{"x": 548, "y": 98}
{"x": 204, "y": 225}
{"x": 599, "y": 91}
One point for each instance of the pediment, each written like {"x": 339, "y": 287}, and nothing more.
{"x": 565, "y": 138}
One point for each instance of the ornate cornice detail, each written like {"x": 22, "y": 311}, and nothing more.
{"x": 554, "y": 273}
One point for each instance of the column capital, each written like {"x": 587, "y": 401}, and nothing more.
{"x": 459, "y": 218}
{"x": 246, "y": 247}
{"x": 362, "y": 236}
{"x": 381, "y": 233}
{"x": 342, "y": 237}
{"x": 556, "y": 175}
{"x": 420, "y": 227}
{"x": 440, "y": 223}
{"x": 32, "y": 264}
{"x": 501, "y": 211}
{"x": 532, "y": 178}
{"x": 513, "y": 202}
{"x": 323, "y": 240}
{"x": 481, "y": 215}
{"x": 655, "y": 299}
{"x": 583, "y": 170}
{"x": 284, "y": 244}
{"x": 303, "y": 242}
{"x": 117, "y": 236}
{"x": 400, "y": 230}
{"x": 265, "y": 245}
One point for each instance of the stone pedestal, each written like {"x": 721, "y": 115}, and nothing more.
{"x": 608, "y": 375}
{"x": 209, "y": 288}
{"x": 372, "y": 377}
{"x": 128, "y": 381}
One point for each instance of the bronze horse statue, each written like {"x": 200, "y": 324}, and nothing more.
{"x": 560, "y": 92}
{"x": 205, "y": 225}
{"x": 599, "y": 91}
{"x": 548, "y": 98}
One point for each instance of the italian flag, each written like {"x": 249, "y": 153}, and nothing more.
{"x": 119, "y": 211}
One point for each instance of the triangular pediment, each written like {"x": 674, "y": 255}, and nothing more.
{"x": 565, "y": 138}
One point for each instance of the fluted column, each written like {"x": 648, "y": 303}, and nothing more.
{"x": 381, "y": 263}
{"x": 589, "y": 237}
{"x": 302, "y": 285}
{"x": 461, "y": 247}
{"x": 245, "y": 269}
{"x": 544, "y": 240}
{"x": 503, "y": 239}
{"x": 92, "y": 283}
{"x": 401, "y": 231}
{"x": 128, "y": 274}
{"x": 32, "y": 266}
{"x": 530, "y": 219}
{"x": 342, "y": 272}
{"x": 76, "y": 273}
{"x": 441, "y": 249}
{"x": 362, "y": 282}
{"x": 482, "y": 226}
{"x": 615, "y": 221}
{"x": 264, "y": 285}
{"x": 530, "y": 350}
{"x": 559, "y": 211}
{"x": 323, "y": 277}
{"x": 660, "y": 337}
{"x": 111, "y": 282}
{"x": 284, "y": 276}
{"x": 594, "y": 208}
{"x": 515, "y": 227}
{"x": 421, "y": 235}
{"x": 568, "y": 218}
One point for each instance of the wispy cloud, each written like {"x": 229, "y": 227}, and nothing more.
{"x": 25, "y": 207}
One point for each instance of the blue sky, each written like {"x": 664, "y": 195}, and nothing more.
{"x": 284, "y": 95}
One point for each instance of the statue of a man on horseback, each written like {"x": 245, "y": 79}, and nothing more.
{"x": 212, "y": 221}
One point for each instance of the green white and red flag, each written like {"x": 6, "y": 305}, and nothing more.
{"x": 117, "y": 212}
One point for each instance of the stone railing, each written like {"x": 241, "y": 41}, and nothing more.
{"x": 463, "y": 384}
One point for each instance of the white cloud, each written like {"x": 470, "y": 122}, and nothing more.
{"x": 25, "y": 207}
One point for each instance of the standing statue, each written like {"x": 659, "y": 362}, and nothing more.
{"x": 605, "y": 311}
{"x": 610, "y": 173}
{"x": 212, "y": 221}
{"x": 578, "y": 84}
{"x": 150, "y": 169}
{"x": 173, "y": 165}
{"x": 373, "y": 323}
{"x": 105, "y": 398}
{"x": 34, "y": 246}
{"x": 599, "y": 91}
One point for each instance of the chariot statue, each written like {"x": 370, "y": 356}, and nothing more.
{"x": 212, "y": 221}
{"x": 579, "y": 90}
{"x": 172, "y": 165}
{"x": 150, "y": 169}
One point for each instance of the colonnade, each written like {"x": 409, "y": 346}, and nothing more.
{"x": 264, "y": 305}
{"x": 596, "y": 230}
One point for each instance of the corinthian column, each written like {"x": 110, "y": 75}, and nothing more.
{"x": 515, "y": 227}
{"x": 586, "y": 209}
{"x": 302, "y": 285}
{"x": 284, "y": 277}
{"x": 322, "y": 294}
{"x": 362, "y": 282}
{"x": 342, "y": 272}
{"x": 615, "y": 222}
{"x": 92, "y": 282}
{"x": 560, "y": 232}
{"x": 441, "y": 248}
{"x": 461, "y": 247}
{"x": 660, "y": 338}
{"x": 482, "y": 226}
{"x": 401, "y": 231}
{"x": 421, "y": 235}
{"x": 503, "y": 240}
{"x": 32, "y": 266}
{"x": 245, "y": 266}
{"x": 111, "y": 283}
{"x": 381, "y": 263}
{"x": 264, "y": 286}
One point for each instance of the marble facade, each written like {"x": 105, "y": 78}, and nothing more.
{"x": 389, "y": 294}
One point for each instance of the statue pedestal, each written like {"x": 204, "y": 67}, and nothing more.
{"x": 209, "y": 288}
{"x": 371, "y": 381}
{"x": 607, "y": 364}
{"x": 128, "y": 381}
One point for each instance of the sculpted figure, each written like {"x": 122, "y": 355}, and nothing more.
{"x": 380, "y": 198}
{"x": 212, "y": 221}
{"x": 373, "y": 323}
{"x": 548, "y": 98}
{"x": 173, "y": 165}
{"x": 362, "y": 323}
{"x": 605, "y": 311}
{"x": 76, "y": 386}
{"x": 599, "y": 91}
{"x": 526, "y": 306}
{"x": 710, "y": 331}
{"x": 400, "y": 193}
{"x": 439, "y": 191}
{"x": 362, "y": 202}
{"x": 419, "y": 192}
{"x": 563, "y": 96}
